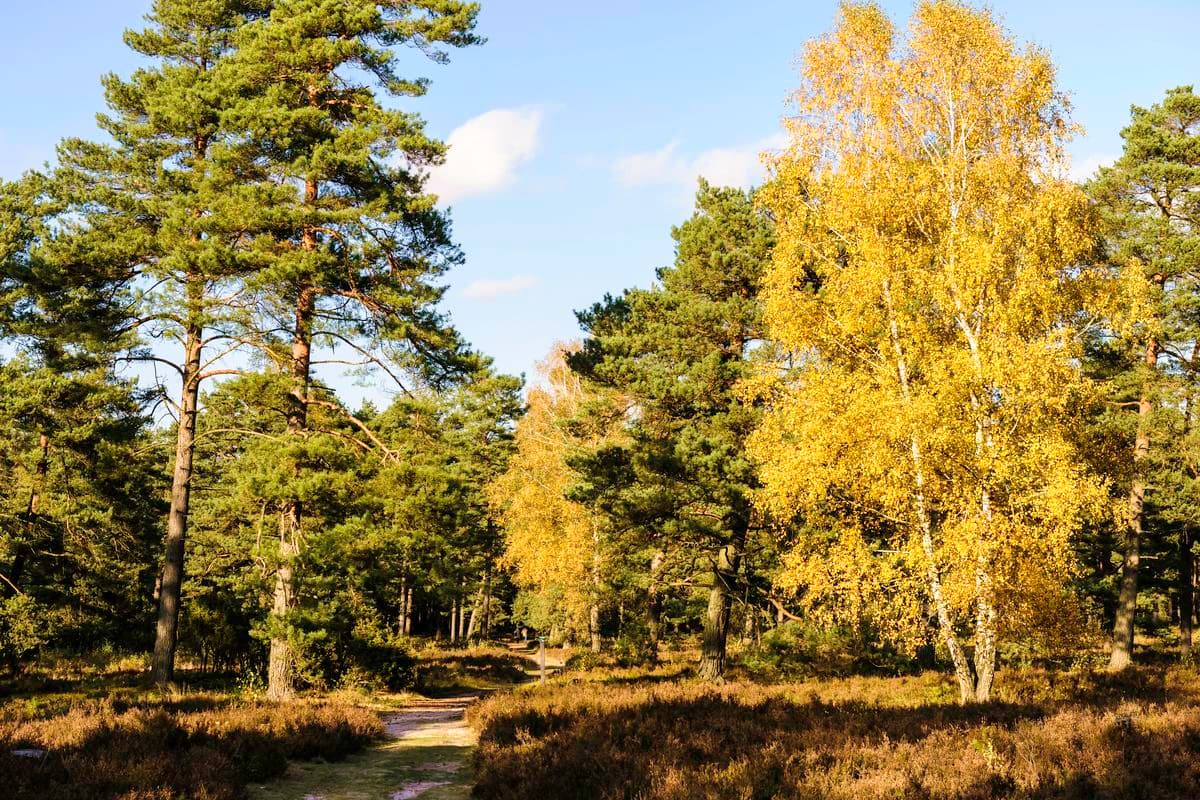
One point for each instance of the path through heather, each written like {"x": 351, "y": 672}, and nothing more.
{"x": 427, "y": 756}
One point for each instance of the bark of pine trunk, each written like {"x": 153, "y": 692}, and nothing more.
{"x": 1187, "y": 600}
{"x": 720, "y": 599}
{"x": 1123, "y": 630}
{"x": 486, "y": 621}
{"x": 170, "y": 588}
{"x": 654, "y": 602}
{"x": 481, "y": 608}
{"x": 281, "y": 663}
{"x": 594, "y": 609}
{"x": 16, "y": 573}
{"x": 406, "y": 610}
{"x": 282, "y": 658}
{"x": 473, "y": 620}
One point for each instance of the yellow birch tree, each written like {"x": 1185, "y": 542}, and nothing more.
{"x": 551, "y": 541}
{"x": 926, "y": 294}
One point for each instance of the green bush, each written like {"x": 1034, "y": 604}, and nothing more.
{"x": 22, "y": 630}
{"x": 584, "y": 660}
{"x": 387, "y": 661}
{"x": 634, "y": 650}
{"x": 795, "y": 650}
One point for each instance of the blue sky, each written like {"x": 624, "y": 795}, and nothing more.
{"x": 579, "y": 128}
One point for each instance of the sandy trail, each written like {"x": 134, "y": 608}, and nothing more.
{"x": 427, "y": 755}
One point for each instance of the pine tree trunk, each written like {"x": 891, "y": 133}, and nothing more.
{"x": 166, "y": 631}
{"x": 594, "y": 609}
{"x": 654, "y": 602}
{"x": 473, "y": 622}
{"x": 406, "y": 610}
{"x": 481, "y": 608}
{"x": 21, "y": 548}
{"x": 720, "y": 599}
{"x": 282, "y": 659}
{"x": 1187, "y": 600}
{"x": 1123, "y": 632}
{"x": 486, "y": 626}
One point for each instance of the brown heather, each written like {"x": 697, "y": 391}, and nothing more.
{"x": 1048, "y": 735}
{"x": 200, "y": 748}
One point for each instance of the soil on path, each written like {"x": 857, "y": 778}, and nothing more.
{"x": 427, "y": 756}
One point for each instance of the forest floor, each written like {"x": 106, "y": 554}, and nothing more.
{"x": 427, "y": 755}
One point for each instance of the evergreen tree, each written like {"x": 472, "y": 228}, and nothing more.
{"x": 149, "y": 229}
{"x": 678, "y": 352}
{"x": 356, "y": 244}
{"x": 1151, "y": 200}
{"x": 80, "y": 503}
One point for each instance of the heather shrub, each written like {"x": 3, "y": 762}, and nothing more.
{"x": 166, "y": 750}
{"x": 1129, "y": 737}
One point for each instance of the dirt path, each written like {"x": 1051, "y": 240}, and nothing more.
{"x": 427, "y": 756}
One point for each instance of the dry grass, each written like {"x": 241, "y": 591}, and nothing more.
{"x": 205, "y": 747}
{"x": 653, "y": 737}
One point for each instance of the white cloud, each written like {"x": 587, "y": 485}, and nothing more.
{"x": 1086, "y": 168}
{"x": 724, "y": 166}
{"x": 487, "y": 289}
{"x": 485, "y": 151}
{"x": 647, "y": 169}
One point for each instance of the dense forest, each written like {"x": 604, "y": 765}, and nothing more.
{"x": 919, "y": 402}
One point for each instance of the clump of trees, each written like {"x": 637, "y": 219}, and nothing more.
{"x": 907, "y": 388}
{"x": 918, "y": 392}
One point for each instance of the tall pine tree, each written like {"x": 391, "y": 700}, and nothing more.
{"x": 150, "y": 224}
{"x": 678, "y": 351}
{"x": 356, "y": 243}
{"x": 1151, "y": 200}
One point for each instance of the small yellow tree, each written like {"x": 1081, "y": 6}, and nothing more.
{"x": 552, "y": 543}
{"x": 926, "y": 292}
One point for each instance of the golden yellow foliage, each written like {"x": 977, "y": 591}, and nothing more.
{"x": 550, "y": 540}
{"x": 926, "y": 291}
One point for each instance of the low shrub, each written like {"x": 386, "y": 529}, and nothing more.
{"x": 469, "y": 668}
{"x": 166, "y": 751}
{"x": 1121, "y": 738}
{"x": 634, "y": 651}
{"x": 387, "y": 662}
{"x": 585, "y": 660}
{"x": 795, "y": 650}
{"x": 22, "y": 630}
